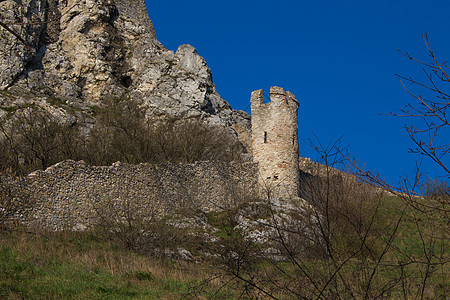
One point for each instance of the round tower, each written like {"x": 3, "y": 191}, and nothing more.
{"x": 275, "y": 141}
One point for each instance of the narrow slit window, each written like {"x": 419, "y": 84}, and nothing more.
{"x": 293, "y": 139}
{"x": 265, "y": 136}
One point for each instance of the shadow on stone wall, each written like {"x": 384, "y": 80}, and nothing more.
{"x": 70, "y": 194}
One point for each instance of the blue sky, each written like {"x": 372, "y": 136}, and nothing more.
{"x": 338, "y": 57}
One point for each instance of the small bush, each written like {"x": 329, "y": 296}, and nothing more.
{"x": 34, "y": 139}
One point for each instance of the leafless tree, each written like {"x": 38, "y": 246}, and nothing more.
{"x": 34, "y": 139}
{"x": 431, "y": 105}
{"x": 123, "y": 133}
{"x": 368, "y": 239}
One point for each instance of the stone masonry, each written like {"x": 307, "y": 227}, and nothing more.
{"x": 72, "y": 194}
{"x": 275, "y": 142}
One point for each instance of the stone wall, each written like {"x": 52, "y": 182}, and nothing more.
{"x": 275, "y": 141}
{"x": 72, "y": 195}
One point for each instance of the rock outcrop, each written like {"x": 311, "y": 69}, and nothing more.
{"x": 83, "y": 52}
{"x": 20, "y": 36}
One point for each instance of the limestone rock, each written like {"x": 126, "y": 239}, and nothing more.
{"x": 86, "y": 51}
{"x": 23, "y": 18}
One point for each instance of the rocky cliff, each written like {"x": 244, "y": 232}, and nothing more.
{"x": 78, "y": 53}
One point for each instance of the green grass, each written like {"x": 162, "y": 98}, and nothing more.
{"x": 79, "y": 266}
{"x": 391, "y": 265}
{"x": 222, "y": 222}
{"x": 69, "y": 265}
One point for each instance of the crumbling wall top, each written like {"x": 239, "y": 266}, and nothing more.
{"x": 277, "y": 96}
{"x": 257, "y": 98}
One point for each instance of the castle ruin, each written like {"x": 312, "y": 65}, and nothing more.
{"x": 69, "y": 193}
{"x": 275, "y": 142}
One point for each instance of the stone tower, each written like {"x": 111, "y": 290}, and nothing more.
{"x": 275, "y": 141}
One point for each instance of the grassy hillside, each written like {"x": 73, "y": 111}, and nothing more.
{"x": 81, "y": 266}
{"x": 405, "y": 256}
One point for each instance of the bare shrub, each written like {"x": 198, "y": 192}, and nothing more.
{"x": 124, "y": 134}
{"x": 135, "y": 223}
{"x": 33, "y": 139}
{"x": 119, "y": 220}
{"x": 192, "y": 140}
{"x": 376, "y": 240}
{"x": 9, "y": 157}
{"x": 347, "y": 210}
{"x": 351, "y": 240}
{"x": 121, "y": 134}
{"x": 436, "y": 189}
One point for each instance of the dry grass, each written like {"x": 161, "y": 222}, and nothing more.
{"x": 78, "y": 265}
